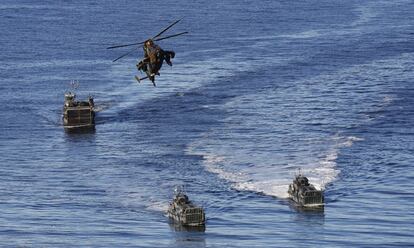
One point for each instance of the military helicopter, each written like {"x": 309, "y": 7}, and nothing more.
{"x": 154, "y": 56}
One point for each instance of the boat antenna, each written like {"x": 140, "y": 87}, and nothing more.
{"x": 74, "y": 84}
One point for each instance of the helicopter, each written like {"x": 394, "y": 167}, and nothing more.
{"x": 154, "y": 56}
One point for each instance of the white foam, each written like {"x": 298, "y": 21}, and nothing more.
{"x": 273, "y": 188}
{"x": 158, "y": 206}
{"x": 271, "y": 172}
{"x": 213, "y": 164}
{"x": 303, "y": 35}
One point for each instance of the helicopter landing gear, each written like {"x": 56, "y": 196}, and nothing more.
{"x": 150, "y": 78}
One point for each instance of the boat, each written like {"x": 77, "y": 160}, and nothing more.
{"x": 78, "y": 114}
{"x": 304, "y": 194}
{"x": 182, "y": 211}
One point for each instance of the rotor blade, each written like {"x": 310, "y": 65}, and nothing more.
{"x": 160, "y": 33}
{"x": 138, "y": 43}
{"x": 125, "y": 54}
{"x": 171, "y": 36}
{"x": 132, "y": 44}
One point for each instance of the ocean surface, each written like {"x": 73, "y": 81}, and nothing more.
{"x": 257, "y": 91}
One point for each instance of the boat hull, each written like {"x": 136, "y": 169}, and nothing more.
{"x": 187, "y": 217}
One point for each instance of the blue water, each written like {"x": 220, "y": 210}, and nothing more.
{"x": 257, "y": 91}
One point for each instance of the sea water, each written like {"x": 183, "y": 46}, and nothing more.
{"x": 257, "y": 91}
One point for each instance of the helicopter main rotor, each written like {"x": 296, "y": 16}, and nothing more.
{"x": 155, "y": 38}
